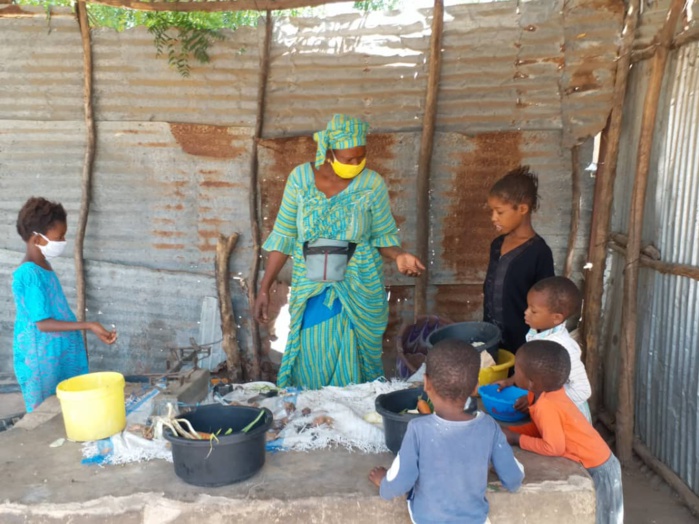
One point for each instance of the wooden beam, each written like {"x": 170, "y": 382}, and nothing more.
{"x": 575, "y": 209}
{"x": 229, "y": 328}
{"x": 210, "y": 7}
{"x": 689, "y": 35}
{"x": 667, "y": 268}
{"x": 425, "y": 155}
{"x": 88, "y": 162}
{"x": 254, "y": 371}
{"x": 602, "y": 209}
{"x": 629, "y": 316}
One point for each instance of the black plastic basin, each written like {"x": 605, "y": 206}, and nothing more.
{"x": 231, "y": 458}
{"x": 470, "y": 332}
{"x": 389, "y": 406}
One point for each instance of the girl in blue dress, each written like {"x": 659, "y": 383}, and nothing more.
{"x": 48, "y": 344}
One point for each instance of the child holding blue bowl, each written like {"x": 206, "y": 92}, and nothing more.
{"x": 559, "y": 429}
{"x": 444, "y": 459}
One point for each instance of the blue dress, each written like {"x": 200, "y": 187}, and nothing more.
{"x": 42, "y": 360}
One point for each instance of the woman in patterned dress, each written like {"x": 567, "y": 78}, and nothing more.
{"x": 48, "y": 346}
{"x": 336, "y": 329}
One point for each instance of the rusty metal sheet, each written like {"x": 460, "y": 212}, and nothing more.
{"x": 464, "y": 169}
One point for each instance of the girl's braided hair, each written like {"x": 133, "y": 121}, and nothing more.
{"x": 519, "y": 186}
{"x": 39, "y": 215}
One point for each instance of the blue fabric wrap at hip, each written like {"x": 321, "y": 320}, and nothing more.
{"x": 317, "y": 312}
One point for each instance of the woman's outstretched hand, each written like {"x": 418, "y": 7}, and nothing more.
{"x": 409, "y": 265}
{"x": 262, "y": 307}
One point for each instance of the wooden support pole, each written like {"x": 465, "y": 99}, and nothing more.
{"x": 425, "y": 156}
{"x": 254, "y": 366}
{"x": 215, "y": 6}
{"x": 602, "y": 209}
{"x": 229, "y": 328}
{"x": 88, "y": 162}
{"x": 575, "y": 211}
{"x": 629, "y": 316}
{"x": 687, "y": 36}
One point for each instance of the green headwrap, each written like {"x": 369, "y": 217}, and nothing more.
{"x": 342, "y": 132}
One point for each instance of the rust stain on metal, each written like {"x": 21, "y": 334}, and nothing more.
{"x": 205, "y": 140}
{"x": 468, "y": 230}
{"x": 459, "y": 302}
{"x": 168, "y": 246}
{"x": 221, "y": 183}
{"x": 583, "y": 79}
{"x": 168, "y": 234}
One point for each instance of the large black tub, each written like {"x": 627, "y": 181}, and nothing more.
{"x": 470, "y": 332}
{"x": 231, "y": 458}
{"x": 389, "y": 406}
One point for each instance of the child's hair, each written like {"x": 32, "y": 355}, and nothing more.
{"x": 453, "y": 366}
{"x": 562, "y": 295}
{"x": 38, "y": 215}
{"x": 545, "y": 362}
{"x": 519, "y": 186}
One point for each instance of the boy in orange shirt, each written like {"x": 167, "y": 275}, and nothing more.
{"x": 559, "y": 429}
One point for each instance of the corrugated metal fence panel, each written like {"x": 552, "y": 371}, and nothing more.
{"x": 611, "y": 328}
{"x": 674, "y": 201}
{"x": 131, "y": 83}
{"x": 668, "y": 367}
{"x": 153, "y": 311}
{"x": 668, "y": 374}
{"x": 369, "y": 65}
{"x": 592, "y": 37}
{"x": 500, "y": 67}
{"x": 40, "y": 69}
{"x": 628, "y": 147}
{"x": 464, "y": 168}
{"x": 164, "y": 192}
{"x": 38, "y": 159}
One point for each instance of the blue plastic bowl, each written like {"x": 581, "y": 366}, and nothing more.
{"x": 500, "y": 405}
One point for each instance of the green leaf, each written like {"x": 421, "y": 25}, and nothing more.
{"x": 254, "y": 422}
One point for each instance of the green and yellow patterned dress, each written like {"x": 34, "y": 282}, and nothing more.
{"x": 336, "y": 328}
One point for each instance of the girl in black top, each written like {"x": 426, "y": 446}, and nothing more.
{"x": 519, "y": 258}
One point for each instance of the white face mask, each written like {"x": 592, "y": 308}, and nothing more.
{"x": 53, "y": 248}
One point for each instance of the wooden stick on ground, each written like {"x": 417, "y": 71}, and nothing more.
{"x": 629, "y": 316}
{"x": 602, "y": 210}
{"x": 229, "y": 328}
{"x": 254, "y": 365}
{"x": 425, "y": 155}
{"x": 575, "y": 213}
{"x": 86, "y": 181}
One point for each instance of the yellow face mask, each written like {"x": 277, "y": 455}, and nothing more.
{"x": 347, "y": 171}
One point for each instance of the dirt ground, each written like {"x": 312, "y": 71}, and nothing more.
{"x": 649, "y": 500}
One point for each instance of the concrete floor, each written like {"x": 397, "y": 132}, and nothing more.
{"x": 41, "y": 484}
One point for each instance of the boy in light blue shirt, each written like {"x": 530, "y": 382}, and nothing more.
{"x": 444, "y": 459}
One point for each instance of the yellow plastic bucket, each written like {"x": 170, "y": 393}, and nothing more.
{"x": 93, "y": 405}
{"x": 506, "y": 360}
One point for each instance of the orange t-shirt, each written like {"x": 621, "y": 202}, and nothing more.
{"x": 559, "y": 429}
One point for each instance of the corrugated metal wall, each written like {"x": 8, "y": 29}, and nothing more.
{"x": 667, "y": 389}
{"x": 521, "y": 82}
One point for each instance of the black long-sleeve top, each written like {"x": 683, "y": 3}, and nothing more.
{"x": 507, "y": 282}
